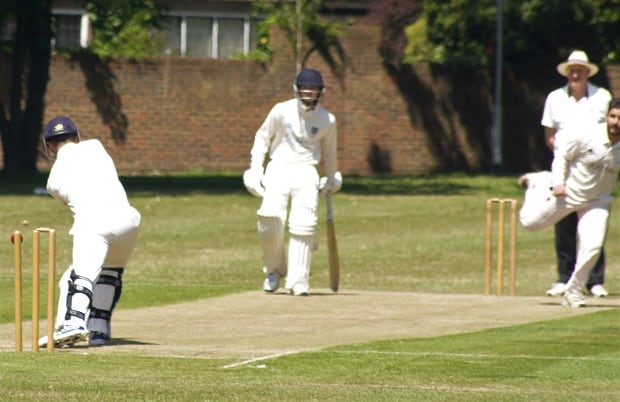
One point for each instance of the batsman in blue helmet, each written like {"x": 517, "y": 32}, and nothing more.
{"x": 105, "y": 232}
{"x": 297, "y": 138}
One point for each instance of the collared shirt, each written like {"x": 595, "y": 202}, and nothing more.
{"x": 291, "y": 135}
{"x": 588, "y": 165}
{"x": 562, "y": 111}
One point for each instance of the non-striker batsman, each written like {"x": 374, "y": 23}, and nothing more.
{"x": 297, "y": 135}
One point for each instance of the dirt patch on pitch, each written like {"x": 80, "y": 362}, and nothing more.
{"x": 255, "y": 325}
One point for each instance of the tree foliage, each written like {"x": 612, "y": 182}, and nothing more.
{"x": 536, "y": 31}
{"x": 462, "y": 31}
{"x": 122, "y": 27}
{"x": 322, "y": 34}
{"x": 394, "y": 16}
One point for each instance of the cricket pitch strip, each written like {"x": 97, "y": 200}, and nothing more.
{"x": 254, "y": 325}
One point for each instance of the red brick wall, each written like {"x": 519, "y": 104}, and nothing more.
{"x": 180, "y": 113}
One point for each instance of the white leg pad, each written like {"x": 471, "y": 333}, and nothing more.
{"x": 79, "y": 301}
{"x": 63, "y": 287}
{"x": 299, "y": 260}
{"x": 106, "y": 294}
{"x": 271, "y": 231}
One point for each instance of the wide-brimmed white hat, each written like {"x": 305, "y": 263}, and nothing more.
{"x": 577, "y": 58}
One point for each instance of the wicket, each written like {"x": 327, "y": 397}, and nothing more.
{"x": 501, "y": 202}
{"x": 51, "y": 287}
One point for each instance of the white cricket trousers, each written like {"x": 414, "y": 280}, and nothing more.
{"x": 296, "y": 184}
{"x": 542, "y": 209}
{"x": 92, "y": 250}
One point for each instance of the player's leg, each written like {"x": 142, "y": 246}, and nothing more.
{"x": 63, "y": 287}
{"x": 541, "y": 208}
{"x": 302, "y": 228}
{"x": 89, "y": 252}
{"x": 271, "y": 232}
{"x": 107, "y": 293}
{"x": 591, "y": 229}
{"x": 597, "y": 278}
{"x": 122, "y": 241}
{"x": 271, "y": 219}
{"x": 566, "y": 252}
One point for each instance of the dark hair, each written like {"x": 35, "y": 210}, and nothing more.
{"x": 614, "y": 103}
{"x": 57, "y": 139}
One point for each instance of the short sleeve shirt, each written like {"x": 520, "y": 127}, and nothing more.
{"x": 562, "y": 111}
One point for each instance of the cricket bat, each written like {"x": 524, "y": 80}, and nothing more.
{"x": 332, "y": 245}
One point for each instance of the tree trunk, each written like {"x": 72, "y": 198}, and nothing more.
{"x": 21, "y": 128}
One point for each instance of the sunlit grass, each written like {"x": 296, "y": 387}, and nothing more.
{"x": 421, "y": 234}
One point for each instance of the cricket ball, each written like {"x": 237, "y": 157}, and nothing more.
{"x": 21, "y": 238}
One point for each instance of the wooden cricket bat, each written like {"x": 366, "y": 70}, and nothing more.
{"x": 332, "y": 245}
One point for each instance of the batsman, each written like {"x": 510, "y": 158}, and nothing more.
{"x": 297, "y": 135}
{"x": 105, "y": 231}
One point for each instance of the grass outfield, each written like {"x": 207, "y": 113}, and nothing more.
{"x": 409, "y": 234}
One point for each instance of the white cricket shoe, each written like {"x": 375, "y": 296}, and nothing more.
{"x": 573, "y": 300}
{"x": 272, "y": 282}
{"x": 598, "y": 291}
{"x": 556, "y": 289}
{"x": 299, "y": 289}
{"x": 66, "y": 336}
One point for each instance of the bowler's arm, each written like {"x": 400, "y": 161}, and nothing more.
{"x": 550, "y": 137}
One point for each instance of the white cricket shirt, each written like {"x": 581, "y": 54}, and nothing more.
{"x": 588, "y": 165}
{"x": 84, "y": 177}
{"x": 291, "y": 135}
{"x": 562, "y": 111}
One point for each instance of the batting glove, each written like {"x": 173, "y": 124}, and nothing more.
{"x": 252, "y": 180}
{"x": 331, "y": 184}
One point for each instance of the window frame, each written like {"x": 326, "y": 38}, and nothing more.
{"x": 215, "y": 29}
{"x": 85, "y": 38}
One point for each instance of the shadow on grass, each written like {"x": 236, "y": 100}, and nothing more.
{"x": 173, "y": 184}
{"x": 21, "y": 184}
{"x": 184, "y": 184}
{"x": 232, "y": 183}
{"x": 406, "y": 185}
{"x": 228, "y": 184}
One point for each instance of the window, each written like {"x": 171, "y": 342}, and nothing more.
{"x": 168, "y": 37}
{"x": 67, "y": 30}
{"x": 199, "y": 37}
{"x": 230, "y": 37}
{"x": 215, "y": 37}
{"x": 210, "y": 36}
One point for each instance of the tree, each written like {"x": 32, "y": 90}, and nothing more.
{"x": 120, "y": 27}
{"x": 394, "y": 16}
{"x": 534, "y": 31}
{"x": 21, "y": 127}
{"x": 323, "y": 35}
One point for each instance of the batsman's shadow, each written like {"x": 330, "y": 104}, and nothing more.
{"x": 317, "y": 293}
{"x": 589, "y": 304}
{"x": 125, "y": 341}
{"x": 113, "y": 342}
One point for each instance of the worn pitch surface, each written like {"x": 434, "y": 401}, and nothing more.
{"x": 254, "y": 325}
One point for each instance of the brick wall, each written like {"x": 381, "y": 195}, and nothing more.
{"x": 171, "y": 114}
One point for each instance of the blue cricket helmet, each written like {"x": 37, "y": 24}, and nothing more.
{"x": 308, "y": 98}
{"x": 309, "y": 76}
{"x": 58, "y": 126}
